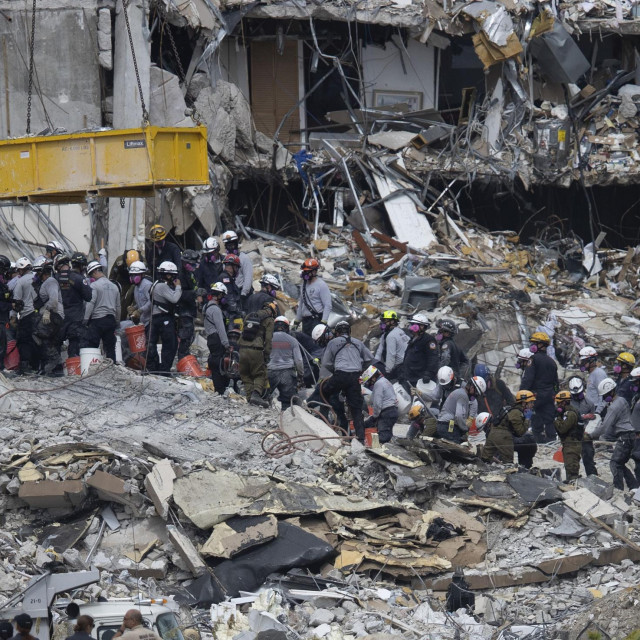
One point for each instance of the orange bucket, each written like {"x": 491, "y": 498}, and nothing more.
{"x": 368, "y": 432}
{"x": 557, "y": 456}
{"x": 73, "y": 366}
{"x": 136, "y": 338}
{"x": 189, "y": 366}
{"x": 12, "y": 356}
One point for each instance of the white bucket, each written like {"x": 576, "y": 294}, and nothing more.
{"x": 119, "y": 350}
{"x": 427, "y": 390}
{"x": 88, "y": 357}
{"x": 404, "y": 399}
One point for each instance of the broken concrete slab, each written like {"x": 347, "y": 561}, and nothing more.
{"x": 586, "y": 503}
{"x": 604, "y": 490}
{"x": 52, "y": 494}
{"x": 565, "y": 524}
{"x": 296, "y": 421}
{"x": 159, "y": 486}
{"x": 534, "y": 489}
{"x": 112, "y": 489}
{"x": 238, "y": 534}
{"x": 187, "y": 551}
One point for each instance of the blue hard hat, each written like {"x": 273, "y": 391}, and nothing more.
{"x": 481, "y": 370}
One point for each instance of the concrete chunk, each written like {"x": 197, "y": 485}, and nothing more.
{"x": 52, "y": 494}
{"x": 113, "y": 489}
{"x": 159, "y": 486}
{"x": 187, "y": 551}
{"x": 296, "y": 421}
{"x": 239, "y": 534}
{"x": 584, "y": 502}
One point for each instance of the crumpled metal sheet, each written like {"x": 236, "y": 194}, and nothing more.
{"x": 494, "y": 20}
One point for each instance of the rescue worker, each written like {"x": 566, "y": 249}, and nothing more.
{"x": 285, "y": 368}
{"x": 421, "y": 359}
{"x": 635, "y": 421}
{"x": 120, "y": 275}
{"x": 23, "y": 623}
{"x": 160, "y": 250}
{"x": 140, "y": 311}
{"x": 79, "y": 263}
{"x": 210, "y": 266}
{"x": 83, "y": 628}
{"x": 133, "y": 629}
{"x": 244, "y": 278}
{"x": 422, "y": 422}
{"x": 590, "y": 364}
{"x": 314, "y": 303}
{"x": 449, "y": 353}
{"x": 384, "y": 403}
{"x": 446, "y": 384}
{"x": 616, "y": 426}
{"x": 217, "y": 340}
{"x": 102, "y": 312}
{"x": 6, "y": 307}
{"x": 311, "y": 356}
{"x": 459, "y": 410}
{"x": 165, "y": 295}
{"x": 51, "y": 318}
{"x": 541, "y": 378}
{"x": 570, "y": 430}
{"x": 52, "y": 249}
{"x": 511, "y": 423}
{"x": 346, "y": 357}
{"x": 269, "y": 287}
{"x": 625, "y": 362}
{"x": 188, "y": 304}
{"x": 231, "y": 301}
{"x": 76, "y": 292}
{"x": 392, "y": 347}
{"x": 523, "y": 360}
{"x": 255, "y": 346}
{"x": 25, "y": 295}
{"x": 586, "y": 411}
{"x": 498, "y": 395}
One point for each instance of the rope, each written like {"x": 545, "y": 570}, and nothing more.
{"x": 145, "y": 113}
{"x": 31, "y": 65}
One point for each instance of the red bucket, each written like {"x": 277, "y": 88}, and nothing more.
{"x": 190, "y": 366}
{"x": 12, "y": 356}
{"x": 368, "y": 432}
{"x": 73, "y": 366}
{"x": 136, "y": 338}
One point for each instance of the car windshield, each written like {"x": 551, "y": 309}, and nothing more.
{"x": 168, "y": 628}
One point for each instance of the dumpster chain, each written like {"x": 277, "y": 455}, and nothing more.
{"x": 165, "y": 23}
{"x": 31, "y": 65}
{"x": 145, "y": 113}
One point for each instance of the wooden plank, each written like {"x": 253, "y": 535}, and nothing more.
{"x": 366, "y": 249}
{"x": 396, "y": 244}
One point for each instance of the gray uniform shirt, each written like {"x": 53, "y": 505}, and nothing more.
{"x": 163, "y": 297}
{"x": 285, "y": 353}
{"x": 383, "y": 396}
{"x": 396, "y": 341}
{"x": 616, "y": 422}
{"x": 244, "y": 279}
{"x": 105, "y": 300}
{"x": 142, "y": 296}
{"x": 51, "y": 296}
{"x": 24, "y": 291}
{"x": 318, "y": 296}
{"x": 349, "y": 358}
{"x": 214, "y": 323}
{"x": 458, "y": 407}
{"x": 591, "y": 391}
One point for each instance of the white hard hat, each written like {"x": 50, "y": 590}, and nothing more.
{"x": 137, "y": 267}
{"x": 479, "y": 384}
{"x": 606, "y": 386}
{"x": 23, "y": 263}
{"x": 525, "y": 354}
{"x": 54, "y": 244}
{"x": 421, "y": 318}
{"x": 587, "y": 352}
{"x": 482, "y": 419}
{"x": 281, "y": 319}
{"x": 219, "y": 287}
{"x": 576, "y": 385}
{"x": 445, "y": 376}
{"x": 318, "y": 331}
{"x": 210, "y": 245}
{"x": 267, "y": 278}
{"x": 93, "y": 266}
{"x": 635, "y": 373}
{"x": 38, "y": 262}
{"x": 369, "y": 372}
{"x": 229, "y": 236}
{"x": 168, "y": 267}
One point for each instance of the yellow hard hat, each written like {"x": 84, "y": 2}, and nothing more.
{"x": 626, "y": 358}
{"x": 389, "y": 315}
{"x": 157, "y": 233}
{"x": 540, "y": 336}
{"x": 525, "y": 396}
{"x": 132, "y": 256}
{"x": 563, "y": 395}
{"x": 415, "y": 411}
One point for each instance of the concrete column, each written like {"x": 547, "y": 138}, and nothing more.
{"x": 125, "y": 224}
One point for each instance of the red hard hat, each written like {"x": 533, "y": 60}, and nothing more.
{"x": 231, "y": 258}
{"x": 310, "y": 264}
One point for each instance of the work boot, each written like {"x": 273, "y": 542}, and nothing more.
{"x": 257, "y": 400}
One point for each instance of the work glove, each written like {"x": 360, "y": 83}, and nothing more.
{"x": 295, "y": 325}
{"x": 131, "y": 308}
{"x": 135, "y": 316}
{"x": 18, "y": 305}
{"x": 46, "y": 317}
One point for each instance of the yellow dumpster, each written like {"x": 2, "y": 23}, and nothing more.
{"x": 116, "y": 163}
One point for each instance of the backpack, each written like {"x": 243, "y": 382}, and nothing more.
{"x": 251, "y": 326}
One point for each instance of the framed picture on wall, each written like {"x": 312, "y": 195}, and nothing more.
{"x": 388, "y": 98}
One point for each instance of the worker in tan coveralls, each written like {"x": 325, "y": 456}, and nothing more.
{"x": 255, "y": 350}
{"x": 499, "y": 443}
{"x": 568, "y": 426}
{"x": 133, "y": 629}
